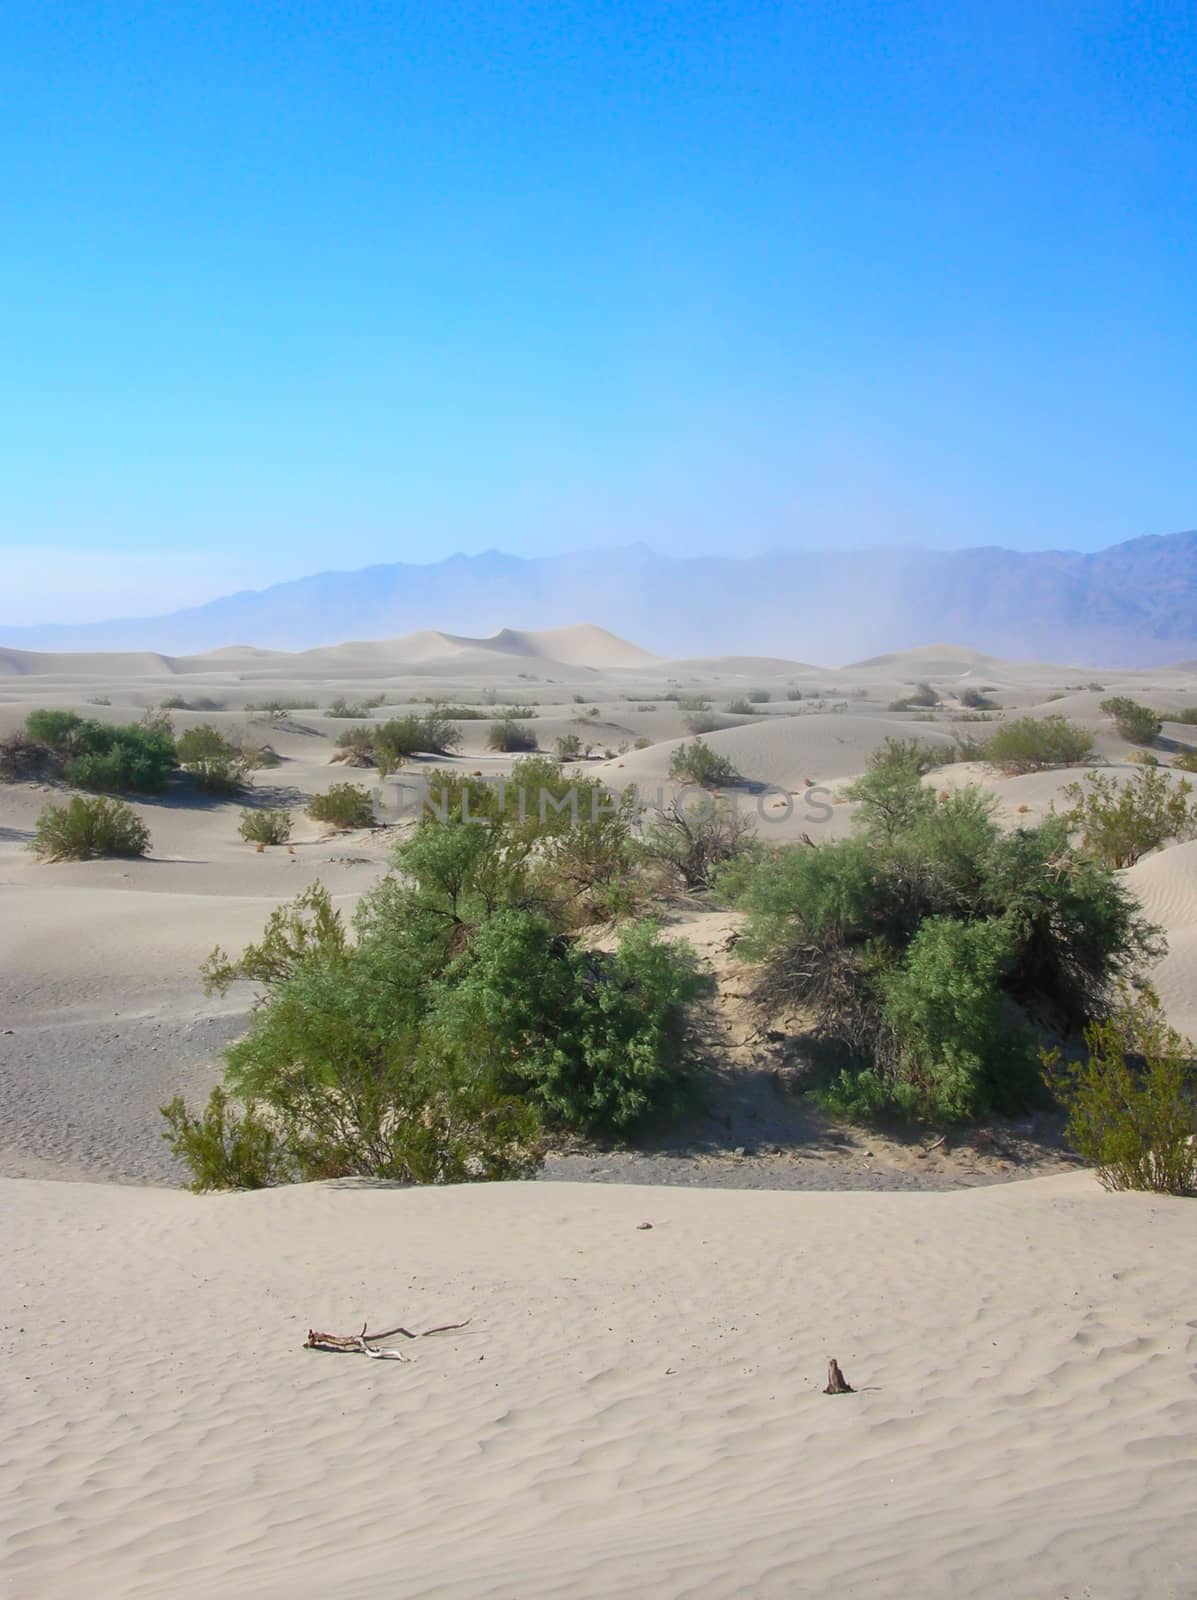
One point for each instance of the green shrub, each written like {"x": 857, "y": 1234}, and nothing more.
{"x": 1139, "y": 724}
{"x": 1131, "y": 1109}
{"x": 1186, "y": 761}
{"x": 758, "y": 697}
{"x": 343, "y": 805}
{"x": 975, "y": 700}
{"x": 85, "y": 828}
{"x": 890, "y": 793}
{"x": 1031, "y": 744}
{"x": 279, "y": 708}
{"x": 793, "y": 693}
{"x": 568, "y": 747}
{"x": 594, "y": 1040}
{"x": 223, "y": 1150}
{"x": 357, "y": 741}
{"x": 915, "y": 947}
{"x": 510, "y": 736}
{"x": 954, "y": 1054}
{"x": 1188, "y": 716}
{"x": 697, "y": 763}
{"x": 265, "y": 827}
{"x": 641, "y": 743}
{"x": 133, "y": 758}
{"x": 212, "y": 761}
{"x": 739, "y": 708}
{"x": 57, "y": 729}
{"x": 354, "y": 709}
{"x": 1120, "y": 822}
{"x": 399, "y": 739}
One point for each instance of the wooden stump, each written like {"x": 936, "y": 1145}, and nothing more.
{"x": 836, "y": 1382}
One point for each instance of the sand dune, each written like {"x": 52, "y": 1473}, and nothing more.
{"x": 932, "y": 660}
{"x": 786, "y": 750}
{"x": 78, "y": 667}
{"x": 1166, "y": 886}
{"x": 582, "y": 646}
{"x": 630, "y": 1413}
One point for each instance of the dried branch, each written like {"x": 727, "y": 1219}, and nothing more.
{"x": 362, "y": 1343}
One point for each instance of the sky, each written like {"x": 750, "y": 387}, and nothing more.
{"x": 286, "y": 288}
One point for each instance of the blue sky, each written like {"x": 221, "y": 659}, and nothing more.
{"x": 292, "y": 287}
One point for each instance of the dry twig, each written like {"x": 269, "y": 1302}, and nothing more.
{"x": 362, "y": 1343}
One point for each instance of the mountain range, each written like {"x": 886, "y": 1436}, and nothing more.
{"x": 1133, "y": 604}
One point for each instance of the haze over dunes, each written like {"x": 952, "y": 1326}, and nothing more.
{"x": 1134, "y": 604}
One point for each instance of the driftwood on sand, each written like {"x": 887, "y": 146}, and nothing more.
{"x": 362, "y": 1344}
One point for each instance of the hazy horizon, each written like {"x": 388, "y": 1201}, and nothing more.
{"x": 367, "y": 287}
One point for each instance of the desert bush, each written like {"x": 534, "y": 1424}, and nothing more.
{"x": 916, "y": 949}
{"x": 343, "y": 805}
{"x": 595, "y": 1040}
{"x": 1188, "y": 716}
{"x": 56, "y": 729}
{"x": 1143, "y": 758}
{"x": 568, "y": 747}
{"x": 698, "y": 763}
{"x": 354, "y": 710}
{"x": 265, "y": 827}
{"x": 700, "y": 722}
{"x": 438, "y": 733}
{"x": 357, "y": 742}
{"x": 642, "y": 743}
{"x": 1137, "y": 723}
{"x": 739, "y": 708}
{"x": 1131, "y": 1108}
{"x": 223, "y": 1149}
{"x": 693, "y": 840}
{"x": 86, "y": 828}
{"x": 176, "y": 702}
{"x": 526, "y": 713}
{"x": 23, "y": 759}
{"x": 889, "y": 793}
{"x": 136, "y": 757}
{"x": 1030, "y": 744}
{"x": 543, "y": 840}
{"x": 214, "y": 763}
{"x": 510, "y": 736}
{"x": 975, "y": 700}
{"x": 1186, "y": 761}
{"x": 692, "y": 702}
{"x": 280, "y": 708}
{"x": 759, "y": 697}
{"x": 429, "y": 1045}
{"x": 922, "y": 698}
{"x": 1120, "y": 822}
{"x": 793, "y": 693}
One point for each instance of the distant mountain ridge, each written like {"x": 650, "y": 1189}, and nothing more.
{"x": 1133, "y": 604}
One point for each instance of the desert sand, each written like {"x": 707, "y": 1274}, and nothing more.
{"x": 632, "y": 1411}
